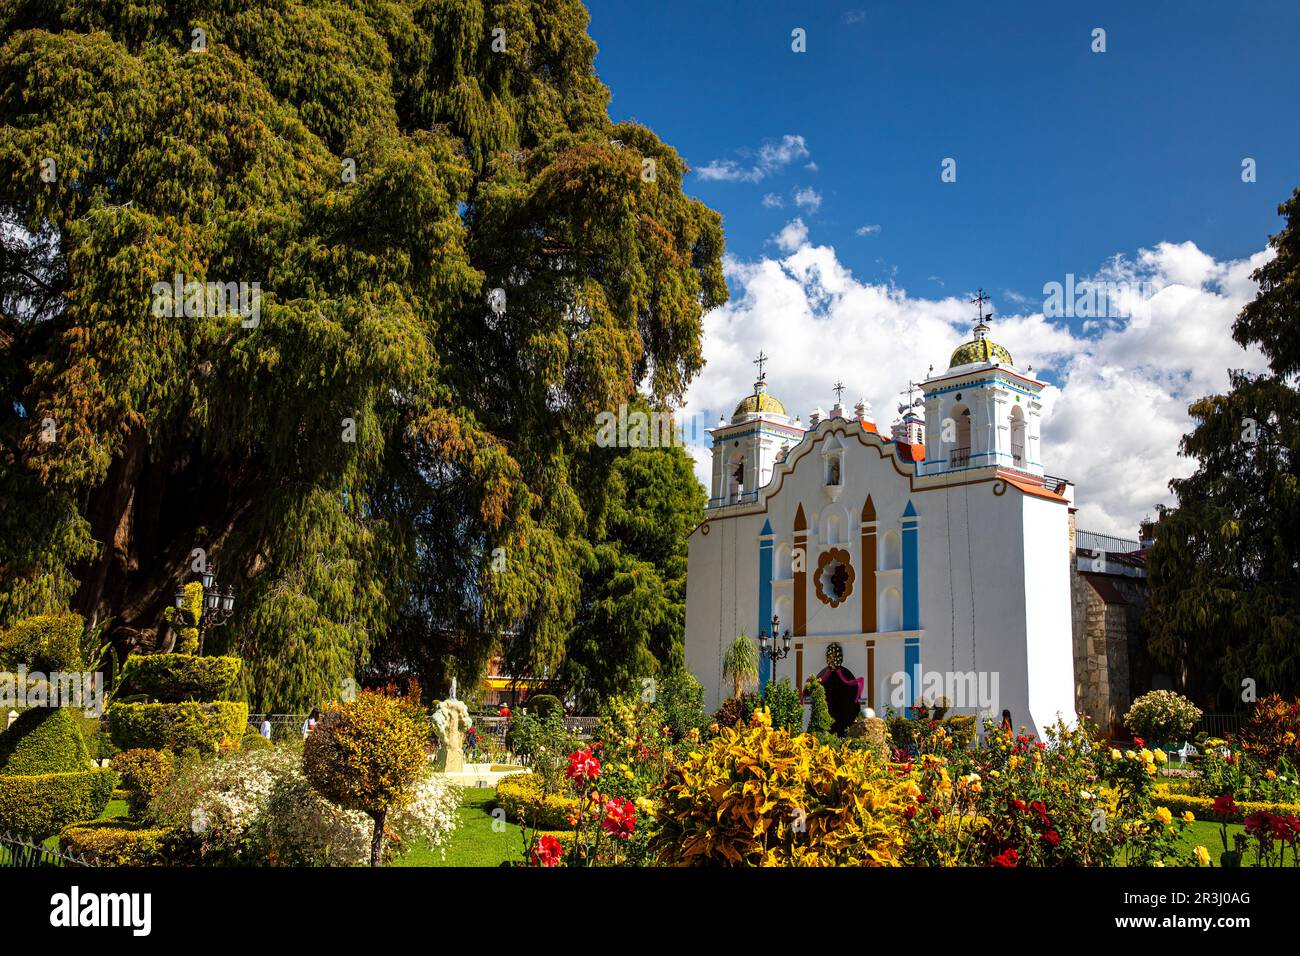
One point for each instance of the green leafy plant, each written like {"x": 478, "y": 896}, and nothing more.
{"x": 782, "y": 702}
{"x": 819, "y": 715}
{"x": 1162, "y": 716}
{"x": 740, "y": 665}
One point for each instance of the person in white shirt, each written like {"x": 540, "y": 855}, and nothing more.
{"x": 310, "y": 722}
{"x": 266, "y": 726}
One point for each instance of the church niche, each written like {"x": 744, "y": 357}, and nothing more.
{"x": 834, "y": 578}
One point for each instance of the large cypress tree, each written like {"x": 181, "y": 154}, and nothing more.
{"x": 1225, "y": 568}
{"x": 354, "y": 458}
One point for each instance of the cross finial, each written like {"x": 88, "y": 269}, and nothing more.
{"x": 838, "y": 389}
{"x": 981, "y": 315}
{"x": 762, "y": 376}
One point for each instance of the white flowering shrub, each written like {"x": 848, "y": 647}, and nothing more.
{"x": 1162, "y": 716}
{"x": 256, "y": 808}
{"x": 431, "y": 814}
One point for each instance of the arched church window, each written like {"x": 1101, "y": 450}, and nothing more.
{"x": 960, "y": 454}
{"x": 1017, "y": 437}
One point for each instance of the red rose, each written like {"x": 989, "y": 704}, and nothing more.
{"x": 1139, "y": 742}
{"x": 548, "y": 851}
{"x": 1052, "y": 837}
{"x": 1007, "y": 858}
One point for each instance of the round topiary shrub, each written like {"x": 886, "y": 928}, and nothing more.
{"x": 143, "y": 772}
{"x": 172, "y": 678}
{"x": 543, "y": 705}
{"x": 1162, "y": 716}
{"x": 188, "y": 725}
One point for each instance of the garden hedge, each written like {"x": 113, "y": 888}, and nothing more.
{"x": 540, "y": 705}
{"x": 1201, "y": 806}
{"x": 44, "y": 740}
{"x": 144, "y": 773}
{"x": 961, "y": 728}
{"x": 172, "y": 678}
{"x": 119, "y": 843}
{"x": 178, "y": 726}
{"x": 44, "y": 804}
{"x": 46, "y": 642}
{"x": 520, "y": 796}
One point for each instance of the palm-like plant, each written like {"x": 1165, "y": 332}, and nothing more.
{"x": 740, "y": 664}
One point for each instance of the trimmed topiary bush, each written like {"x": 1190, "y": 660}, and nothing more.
{"x": 254, "y": 742}
{"x": 189, "y": 725}
{"x": 44, "y": 740}
{"x": 819, "y": 715}
{"x": 120, "y": 843}
{"x": 520, "y": 796}
{"x": 542, "y": 705}
{"x": 43, "y": 804}
{"x": 143, "y": 773}
{"x": 368, "y": 755}
{"x": 1162, "y": 716}
{"x": 46, "y": 642}
{"x": 961, "y": 728}
{"x": 171, "y": 678}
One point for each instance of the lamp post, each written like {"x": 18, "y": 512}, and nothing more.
{"x": 767, "y": 648}
{"x": 218, "y": 604}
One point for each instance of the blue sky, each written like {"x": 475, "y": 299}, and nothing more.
{"x": 1064, "y": 156}
{"x": 849, "y": 258}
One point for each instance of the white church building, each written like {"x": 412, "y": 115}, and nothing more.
{"x": 937, "y": 559}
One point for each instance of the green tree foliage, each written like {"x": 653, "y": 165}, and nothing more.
{"x": 631, "y": 621}
{"x": 354, "y": 459}
{"x": 1225, "y": 568}
{"x": 783, "y": 704}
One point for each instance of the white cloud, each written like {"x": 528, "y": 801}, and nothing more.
{"x": 1116, "y": 407}
{"x": 808, "y": 199}
{"x": 771, "y": 158}
{"x": 867, "y": 230}
{"x": 773, "y": 201}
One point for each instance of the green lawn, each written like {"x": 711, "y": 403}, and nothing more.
{"x": 1206, "y": 833}
{"x": 475, "y": 842}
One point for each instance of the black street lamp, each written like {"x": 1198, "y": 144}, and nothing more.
{"x": 217, "y": 605}
{"x": 767, "y": 645}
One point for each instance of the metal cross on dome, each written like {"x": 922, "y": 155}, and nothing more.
{"x": 838, "y": 389}
{"x": 762, "y": 376}
{"x": 981, "y": 315}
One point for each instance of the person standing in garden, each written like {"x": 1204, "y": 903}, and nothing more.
{"x": 265, "y": 729}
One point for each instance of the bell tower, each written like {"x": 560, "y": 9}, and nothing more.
{"x": 746, "y": 450}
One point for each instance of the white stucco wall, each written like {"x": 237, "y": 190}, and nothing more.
{"x": 994, "y": 579}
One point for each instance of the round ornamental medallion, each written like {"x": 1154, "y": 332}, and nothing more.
{"x": 834, "y": 578}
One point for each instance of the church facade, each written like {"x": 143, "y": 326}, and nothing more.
{"x": 915, "y": 570}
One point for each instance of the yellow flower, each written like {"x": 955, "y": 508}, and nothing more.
{"x": 1130, "y": 755}
{"x": 1163, "y": 816}
{"x": 1270, "y": 774}
{"x": 1161, "y": 756}
{"x": 1114, "y": 755}
{"x": 1202, "y": 856}
{"x": 1014, "y": 762}
{"x": 995, "y": 774}
{"x": 1188, "y": 817}
{"x": 1146, "y": 755}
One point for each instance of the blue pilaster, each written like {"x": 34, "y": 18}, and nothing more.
{"x": 765, "y": 540}
{"x": 911, "y": 569}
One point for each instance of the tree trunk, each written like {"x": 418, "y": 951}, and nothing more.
{"x": 377, "y": 839}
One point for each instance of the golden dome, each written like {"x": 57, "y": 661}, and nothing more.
{"x": 757, "y": 404}
{"x": 982, "y": 349}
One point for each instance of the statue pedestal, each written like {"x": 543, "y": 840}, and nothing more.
{"x": 451, "y": 758}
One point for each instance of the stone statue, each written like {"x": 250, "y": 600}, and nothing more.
{"x": 450, "y": 721}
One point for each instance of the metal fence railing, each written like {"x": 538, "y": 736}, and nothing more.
{"x": 1220, "y": 725}
{"x": 1093, "y": 541}
{"x": 17, "y": 850}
